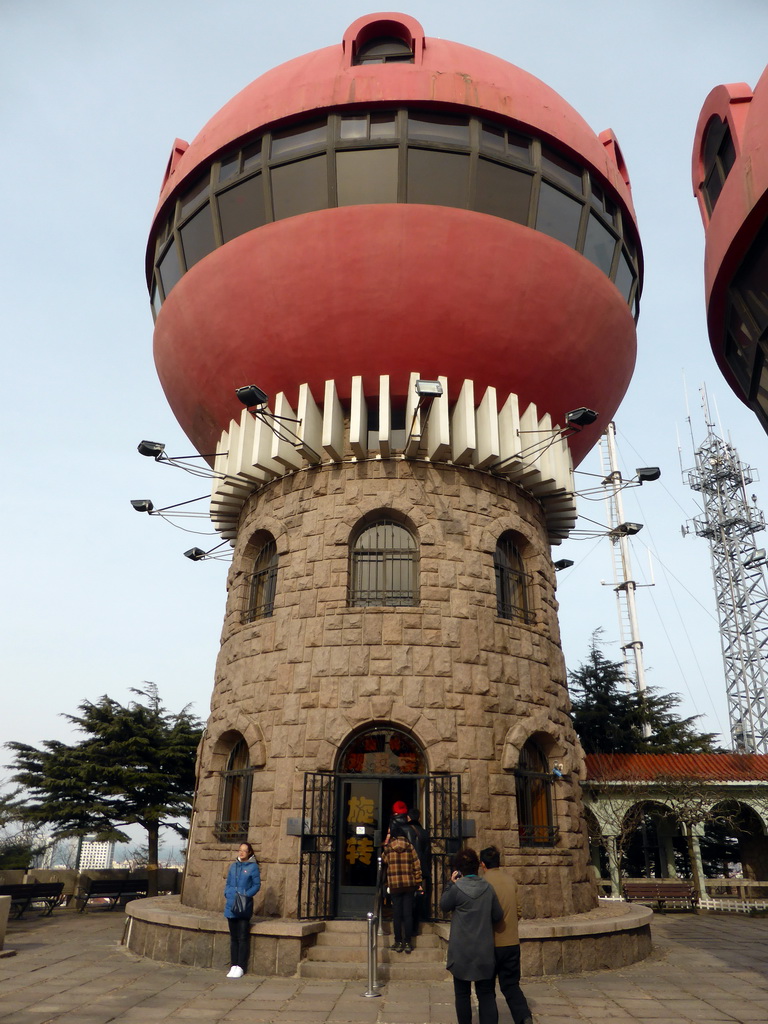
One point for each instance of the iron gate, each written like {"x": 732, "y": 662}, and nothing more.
{"x": 317, "y": 864}
{"x": 444, "y": 824}
{"x": 318, "y": 845}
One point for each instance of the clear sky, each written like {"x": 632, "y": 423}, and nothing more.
{"x": 96, "y": 598}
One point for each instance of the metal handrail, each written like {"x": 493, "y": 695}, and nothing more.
{"x": 374, "y": 930}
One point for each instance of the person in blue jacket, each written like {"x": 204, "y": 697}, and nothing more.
{"x": 244, "y": 877}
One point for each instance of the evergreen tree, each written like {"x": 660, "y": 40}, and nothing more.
{"x": 136, "y": 766}
{"x": 609, "y": 715}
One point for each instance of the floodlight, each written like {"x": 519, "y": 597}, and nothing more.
{"x": 429, "y": 388}
{"x": 152, "y": 449}
{"x": 580, "y": 417}
{"x": 627, "y": 529}
{"x": 252, "y": 397}
{"x": 195, "y": 554}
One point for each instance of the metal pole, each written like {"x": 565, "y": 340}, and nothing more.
{"x": 627, "y": 585}
{"x": 373, "y": 981}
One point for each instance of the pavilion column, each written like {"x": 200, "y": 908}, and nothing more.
{"x": 613, "y": 865}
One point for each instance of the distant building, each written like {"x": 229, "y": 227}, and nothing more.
{"x": 94, "y": 855}
{"x": 730, "y": 181}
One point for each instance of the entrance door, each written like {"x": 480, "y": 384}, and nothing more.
{"x": 365, "y": 808}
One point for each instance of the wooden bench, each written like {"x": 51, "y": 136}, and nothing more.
{"x": 114, "y": 889}
{"x": 26, "y": 894}
{"x": 661, "y": 892}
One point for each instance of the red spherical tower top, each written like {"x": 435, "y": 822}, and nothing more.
{"x": 730, "y": 181}
{"x": 394, "y": 204}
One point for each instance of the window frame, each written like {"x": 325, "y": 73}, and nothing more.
{"x": 510, "y": 578}
{"x": 235, "y": 795}
{"x": 533, "y": 794}
{"x": 382, "y": 561}
{"x": 262, "y": 583}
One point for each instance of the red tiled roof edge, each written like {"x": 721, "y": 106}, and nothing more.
{"x": 647, "y": 767}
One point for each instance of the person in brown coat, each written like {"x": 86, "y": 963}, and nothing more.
{"x": 506, "y": 936}
{"x": 403, "y": 880}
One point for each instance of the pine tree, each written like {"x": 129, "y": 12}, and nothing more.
{"x": 609, "y": 715}
{"x": 136, "y": 766}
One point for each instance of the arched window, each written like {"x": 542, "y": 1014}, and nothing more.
{"x": 718, "y": 156}
{"x": 235, "y": 797}
{"x": 384, "y": 50}
{"x": 262, "y": 583}
{"x": 383, "y": 566}
{"x": 511, "y": 581}
{"x": 534, "y": 798}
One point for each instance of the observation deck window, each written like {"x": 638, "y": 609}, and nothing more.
{"x": 406, "y": 156}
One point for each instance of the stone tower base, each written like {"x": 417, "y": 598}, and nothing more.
{"x": 608, "y": 937}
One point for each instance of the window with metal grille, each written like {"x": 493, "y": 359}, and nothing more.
{"x": 511, "y": 581}
{"x": 383, "y": 566}
{"x": 235, "y": 797}
{"x": 534, "y": 798}
{"x": 262, "y": 584}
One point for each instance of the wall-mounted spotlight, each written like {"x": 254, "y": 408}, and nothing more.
{"x": 195, "y": 554}
{"x": 213, "y": 554}
{"x": 252, "y": 397}
{"x": 257, "y": 402}
{"x": 645, "y": 474}
{"x": 626, "y": 530}
{"x": 146, "y": 505}
{"x": 562, "y": 563}
{"x": 152, "y": 449}
{"x": 581, "y": 417}
{"x": 429, "y": 388}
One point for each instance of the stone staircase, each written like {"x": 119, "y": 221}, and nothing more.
{"x": 341, "y": 953}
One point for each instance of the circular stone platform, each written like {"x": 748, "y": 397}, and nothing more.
{"x": 161, "y": 928}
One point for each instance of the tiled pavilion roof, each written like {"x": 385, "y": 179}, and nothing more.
{"x": 647, "y": 767}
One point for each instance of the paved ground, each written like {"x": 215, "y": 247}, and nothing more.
{"x": 72, "y": 968}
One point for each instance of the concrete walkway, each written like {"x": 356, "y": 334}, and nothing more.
{"x": 71, "y": 967}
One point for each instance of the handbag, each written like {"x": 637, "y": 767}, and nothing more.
{"x": 242, "y": 906}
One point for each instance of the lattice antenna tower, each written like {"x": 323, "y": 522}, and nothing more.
{"x": 729, "y": 521}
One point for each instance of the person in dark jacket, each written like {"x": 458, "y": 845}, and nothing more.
{"x": 506, "y": 935}
{"x": 403, "y": 880}
{"x": 475, "y": 909}
{"x": 243, "y": 877}
{"x": 418, "y": 836}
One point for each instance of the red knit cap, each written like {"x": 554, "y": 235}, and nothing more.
{"x": 399, "y": 807}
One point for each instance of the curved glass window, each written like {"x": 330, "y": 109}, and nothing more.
{"x": 233, "y": 817}
{"x": 382, "y": 752}
{"x": 359, "y": 157}
{"x": 511, "y": 581}
{"x": 599, "y": 244}
{"x": 535, "y": 822}
{"x": 559, "y": 215}
{"x": 241, "y": 208}
{"x": 718, "y": 156}
{"x": 383, "y": 566}
{"x": 366, "y": 176}
{"x": 386, "y": 50}
{"x": 262, "y": 584}
{"x": 197, "y": 236}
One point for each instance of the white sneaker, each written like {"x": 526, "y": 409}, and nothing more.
{"x": 235, "y": 972}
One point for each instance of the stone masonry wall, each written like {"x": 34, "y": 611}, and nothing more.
{"x": 470, "y": 687}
